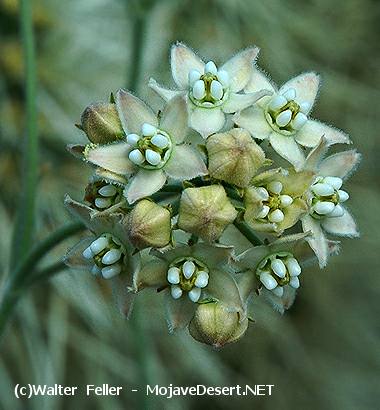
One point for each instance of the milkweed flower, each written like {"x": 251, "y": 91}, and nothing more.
{"x": 284, "y": 118}
{"x": 210, "y": 92}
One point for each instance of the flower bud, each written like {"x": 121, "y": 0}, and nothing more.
{"x": 205, "y": 212}
{"x": 214, "y": 325}
{"x": 234, "y": 157}
{"x": 149, "y": 225}
{"x": 101, "y": 123}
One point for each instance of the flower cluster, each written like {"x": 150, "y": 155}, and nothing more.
{"x": 175, "y": 194}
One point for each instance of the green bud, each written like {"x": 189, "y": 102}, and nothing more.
{"x": 205, "y": 212}
{"x": 101, "y": 123}
{"x": 214, "y": 325}
{"x": 149, "y": 225}
{"x": 234, "y": 157}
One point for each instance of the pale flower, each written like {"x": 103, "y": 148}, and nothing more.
{"x": 210, "y": 92}
{"x": 284, "y": 119}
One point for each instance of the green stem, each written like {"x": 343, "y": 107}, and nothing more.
{"x": 45, "y": 273}
{"x": 138, "y": 32}
{"x": 248, "y": 232}
{"x": 25, "y": 221}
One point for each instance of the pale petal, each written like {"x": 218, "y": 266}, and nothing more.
{"x": 250, "y": 258}
{"x": 175, "y": 120}
{"x": 74, "y": 256}
{"x": 144, "y": 183}
{"x": 332, "y": 135}
{"x": 163, "y": 92}
{"x": 309, "y": 135}
{"x": 112, "y": 157}
{"x": 237, "y": 102}
{"x": 287, "y": 148}
{"x": 318, "y": 241}
{"x": 292, "y": 214}
{"x": 185, "y": 163}
{"x": 151, "y": 275}
{"x": 206, "y": 121}
{"x": 212, "y": 255}
{"x": 253, "y": 120}
{"x": 179, "y": 312}
{"x": 259, "y": 81}
{"x": 341, "y": 165}
{"x": 240, "y": 68}
{"x": 280, "y": 304}
{"x": 306, "y": 86}
{"x": 183, "y": 60}
{"x": 341, "y": 226}
{"x": 123, "y": 297}
{"x": 133, "y": 112}
{"x": 315, "y": 156}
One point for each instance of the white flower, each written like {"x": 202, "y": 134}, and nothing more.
{"x": 210, "y": 91}
{"x": 284, "y": 117}
{"x": 327, "y": 214}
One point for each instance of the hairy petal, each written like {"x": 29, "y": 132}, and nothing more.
{"x": 206, "y": 121}
{"x": 185, "y": 163}
{"x": 179, "y": 312}
{"x": 151, "y": 275}
{"x": 144, "y": 183}
{"x": 317, "y": 241}
{"x": 341, "y": 165}
{"x": 164, "y": 93}
{"x": 237, "y": 102}
{"x": 331, "y": 134}
{"x": 253, "y": 120}
{"x": 341, "y": 226}
{"x": 174, "y": 119}
{"x": 287, "y": 148}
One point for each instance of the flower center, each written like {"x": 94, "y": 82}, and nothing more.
{"x": 284, "y": 114}
{"x": 273, "y": 202}
{"x": 108, "y": 255}
{"x": 187, "y": 275}
{"x": 326, "y": 197}
{"x": 102, "y": 195}
{"x": 278, "y": 270}
{"x": 209, "y": 89}
{"x": 151, "y": 149}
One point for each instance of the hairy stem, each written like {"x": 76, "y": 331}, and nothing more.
{"x": 247, "y": 232}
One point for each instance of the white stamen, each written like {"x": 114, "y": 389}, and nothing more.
{"x": 343, "y": 196}
{"x": 275, "y": 187}
{"x": 263, "y": 193}
{"x": 176, "y": 292}
{"x": 293, "y": 266}
{"x": 210, "y": 67}
{"x": 112, "y": 256}
{"x": 322, "y": 189}
{"x": 96, "y": 271}
{"x": 216, "y": 90}
{"x": 194, "y": 75}
{"x": 136, "y": 157}
{"x": 87, "y": 253}
{"x": 305, "y": 107}
{"x": 173, "y": 275}
{"x": 103, "y": 202}
{"x": 195, "y": 294}
{"x": 334, "y": 182}
{"x": 299, "y": 121}
{"x": 278, "y": 268}
{"x": 279, "y": 291}
{"x": 337, "y": 212}
{"x": 264, "y": 212}
{"x": 199, "y": 90}
{"x": 286, "y": 200}
{"x": 153, "y": 157}
{"x": 99, "y": 244}
{"x": 160, "y": 141}
{"x": 276, "y": 216}
{"x": 284, "y": 118}
{"x": 277, "y": 102}
{"x": 107, "y": 190}
{"x": 188, "y": 269}
{"x": 223, "y": 78}
{"x": 324, "y": 207}
{"x": 133, "y": 139}
{"x": 109, "y": 272}
{"x": 202, "y": 279}
{"x": 148, "y": 130}
{"x": 290, "y": 94}
{"x": 268, "y": 280}
{"x": 294, "y": 282}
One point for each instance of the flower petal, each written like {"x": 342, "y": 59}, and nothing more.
{"x": 292, "y": 214}
{"x": 308, "y": 136}
{"x": 185, "y": 163}
{"x": 319, "y": 129}
{"x": 317, "y": 241}
{"x": 175, "y": 120}
{"x": 133, "y": 112}
{"x": 315, "y": 156}
{"x": 164, "y": 93}
{"x": 253, "y": 120}
{"x": 341, "y": 226}
{"x": 123, "y": 297}
{"x": 237, "y": 102}
{"x": 179, "y": 312}
{"x": 112, "y": 157}
{"x": 80, "y": 211}
{"x": 250, "y": 258}
{"x": 259, "y": 81}
{"x": 240, "y": 67}
{"x": 306, "y": 86}
{"x": 287, "y": 148}
{"x": 283, "y": 303}
{"x": 151, "y": 275}
{"x": 206, "y": 121}
{"x": 183, "y": 60}
{"x": 144, "y": 183}
{"x": 74, "y": 256}
{"x": 212, "y": 255}
{"x": 341, "y": 165}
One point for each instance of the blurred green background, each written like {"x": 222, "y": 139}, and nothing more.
{"x": 325, "y": 352}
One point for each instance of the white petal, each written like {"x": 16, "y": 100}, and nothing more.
{"x": 318, "y": 240}
{"x": 109, "y": 272}
{"x": 185, "y": 163}
{"x": 174, "y": 119}
{"x": 176, "y": 292}
{"x": 173, "y": 275}
{"x": 324, "y": 207}
{"x": 294, "y": 282}
{"x": 194, "y": 76}
{"x": 207, "y": 121}
{"x": 293, "y": 266}
{"x": 188, "y": 269}
{"x": 335, "y": 182}
{"x": 223, "y": 78}
{"x": 195, "y": 294}
{"x": 103, "y": 203}
{"x": 287, "y": 148}
{"x": 183, "y": 60}
{"x": 153, "y": 157}
{"x": 310, "y": 134}
{"x": 254, "y": 121}
{"x": 279, "y": 291}
{"x": 237, "y": 102}
{"x": 98, "y": 245}
{"x": 278, "y": 268}
{"x": 259, "y": 81}
{"x": 283, "y": 118}
{"x": 216, "y": 90}
{"x": 305, "y": 107}
{"x": 112, "y": 256}
{"x": 343, "y": 196}
{"x": 275, "y": 187}
{"x": 315, "y": 130}
{"x": 136, "y": 157}
{"x": 210, "y": 67}
{"x": 144, "y": 183}
{"x": 268, "y": 281}
{"x": 342, "y": 164}
{"x": 341, "y": 226}
{"x": 276, "y": 216}
{"x": 160, "y": 141}
{"x": 132, "y": 139}
{"x": 337, "y": 212}
{"x": 87, "y": 253}
{"x": 163, "y": 92}
{"x": 107, "y": 190}
{"x": 299, "y": 121}
{"x": 277, "y": 102}
{"x": 322, "y": 189}
{"x": 199, "y": 90}
{"x": 201, "y": 280}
